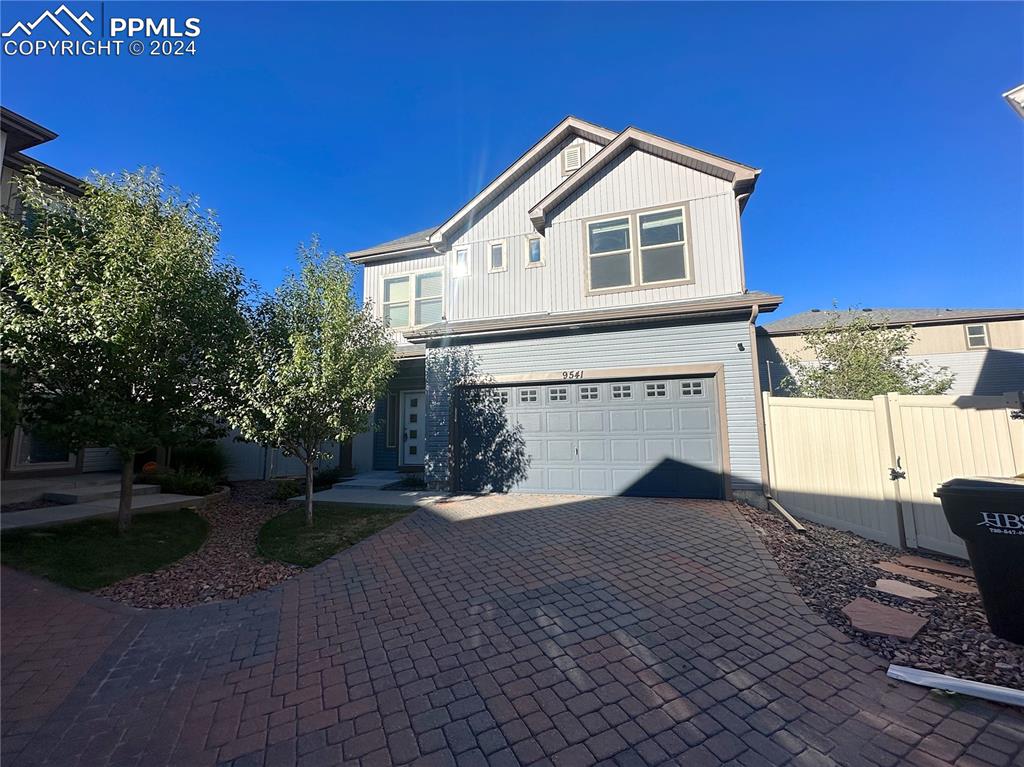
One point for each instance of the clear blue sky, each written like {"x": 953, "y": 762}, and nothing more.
{"x": 892, "y": 168}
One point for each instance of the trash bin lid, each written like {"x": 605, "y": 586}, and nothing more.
{"x": 1003, "y": 487}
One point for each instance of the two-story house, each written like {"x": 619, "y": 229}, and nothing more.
{"x": 595, "y": 293}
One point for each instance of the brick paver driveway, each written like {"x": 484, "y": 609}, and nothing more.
{"x": 513, "y": 630}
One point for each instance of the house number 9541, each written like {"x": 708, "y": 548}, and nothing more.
{"x": 572, "y": 375}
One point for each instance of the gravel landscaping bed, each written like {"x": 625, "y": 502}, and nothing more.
{"x": 830, "y": 568}
{"x": 226, "y": 567}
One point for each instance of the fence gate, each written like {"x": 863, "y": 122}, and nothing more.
{"x": 940, "y": 437}
{"x": 872, "y": 466}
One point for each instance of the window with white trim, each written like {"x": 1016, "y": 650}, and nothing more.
{"x": 527, "y": 395}
{"x": 461, "y": 265}
{"x": 413, "y": 300}
{"x": 662, "y": 246}
{"x": 558, "y": 394}
{"x": 610, "y": 253}
{"x": 637, "y": 249}
{"x": 977, "y": 336}
{"x": 691, "y": 388}
{"x": 534, "y": 251}
{"x": 588, "y": 392}
{"x": 655, "y": 390}
{"x": 622, "y": 391}
{"x": 503, "y": 396}
{"x": 496, "y": 256}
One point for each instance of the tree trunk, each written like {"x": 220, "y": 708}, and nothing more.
{"x": 124, "y": 506}
{"x": 309, "y": 493}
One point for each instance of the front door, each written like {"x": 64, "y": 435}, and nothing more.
{"x": 412, "y": 428}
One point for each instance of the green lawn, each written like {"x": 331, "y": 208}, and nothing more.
{"x": 89, "y": 555}
{"x": 335, "y": 527}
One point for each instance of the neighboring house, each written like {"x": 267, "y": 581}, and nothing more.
{"x": 596, "y": 290}
{"x": 983, "y": 348}
{"x": 24, "y": 454}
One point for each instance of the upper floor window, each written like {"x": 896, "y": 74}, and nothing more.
{"x": 977, "y": 336}
{"x": 497, "y": 256}
{"x": 534, "y": 251}
{"x": 656, "y": 254}
{"x": 608, "y": 246}
{"x": 662, "y": 247}
{"x": 413, "y": 299}
{"x": 461, "y": 268}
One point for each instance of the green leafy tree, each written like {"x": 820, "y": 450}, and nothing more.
{"x": 856, "y": 357}
{"x": 120, "y": 322}
{"x": 315, "y": 365}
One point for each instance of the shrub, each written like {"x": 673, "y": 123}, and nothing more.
{"x": 184, "y": 482}
{"x": 205, "y": 457}
{"x": 325, "y": 479}
{"x": 287, "y": 488}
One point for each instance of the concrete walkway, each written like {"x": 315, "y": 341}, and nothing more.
{"x": 372, "y": 495}
{"x": 499, "y": 630}
{"x": 99, "y": 509}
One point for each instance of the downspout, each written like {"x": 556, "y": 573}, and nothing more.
{"x": 762, "y": 441}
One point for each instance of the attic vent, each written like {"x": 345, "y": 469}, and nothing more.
{"x": 572, "y": 159}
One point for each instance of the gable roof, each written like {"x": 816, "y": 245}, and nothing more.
{"x": 816, "y": 318}
{"x": 569, "y": 126}
{"x": 743, "y": 177}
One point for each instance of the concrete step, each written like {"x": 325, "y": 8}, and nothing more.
{"x": 90, "y": 493}
{"x": 103, "y": 508}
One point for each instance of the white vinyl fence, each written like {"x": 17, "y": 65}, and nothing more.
{"x": 872, "y": 466}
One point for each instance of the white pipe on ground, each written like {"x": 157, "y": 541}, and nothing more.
{"x": 993, "y": 692}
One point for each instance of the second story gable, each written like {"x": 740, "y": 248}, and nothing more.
{"x": 586, "y": 220}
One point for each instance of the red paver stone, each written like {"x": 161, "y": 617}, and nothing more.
{"x": 491, "y": 631}
{"x": 874, "y": 618}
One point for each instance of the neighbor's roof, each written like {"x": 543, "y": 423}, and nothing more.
{"x": 817, "y": 318}
{"x": 741, "y": 176}
{"x": 21, "y": 132}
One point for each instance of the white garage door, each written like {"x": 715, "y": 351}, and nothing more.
{"x": 656, "y": 437}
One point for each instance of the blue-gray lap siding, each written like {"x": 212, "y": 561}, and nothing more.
{"x": 408, "y": 376}
{"x": 689, "y": 344}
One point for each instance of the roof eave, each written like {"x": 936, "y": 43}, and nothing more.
{"x": 52, "y": 176}
{"x": 362, "y": 256}
{"x": 743, "y": 177}
{"x": 629, "y": 316}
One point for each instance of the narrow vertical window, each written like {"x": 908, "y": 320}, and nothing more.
{"x": 534, "y": 251}
{"x": 497, "y": 256}
{"x": 461, "y": 268}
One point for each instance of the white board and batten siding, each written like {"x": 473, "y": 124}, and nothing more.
{"x": 714, "y": 343}
{"x": 635, "y": 180}
{"x": 830, "y": 461}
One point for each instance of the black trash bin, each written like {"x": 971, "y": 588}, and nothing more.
{"x": 989, "y": 515}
